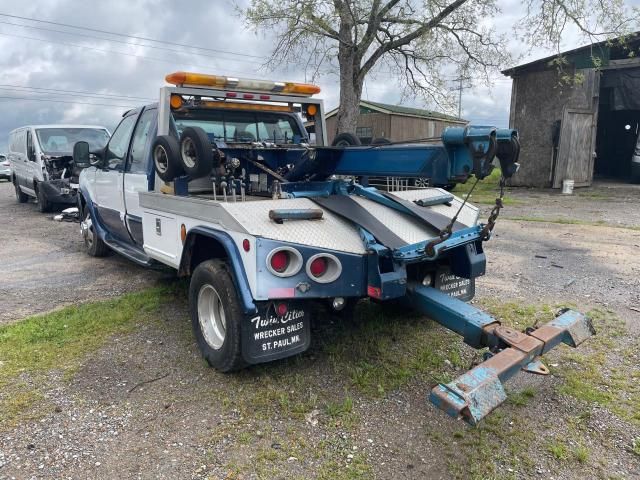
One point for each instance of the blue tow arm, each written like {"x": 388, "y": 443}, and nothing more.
{"x": 473, "y": 395}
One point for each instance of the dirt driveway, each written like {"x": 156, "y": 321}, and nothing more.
{"x": 44, "y": 265}
{"x": 354, "y": 405}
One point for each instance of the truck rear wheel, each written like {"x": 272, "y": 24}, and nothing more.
{"x": 216, "y": 316}
{"x": 95, "y": 246}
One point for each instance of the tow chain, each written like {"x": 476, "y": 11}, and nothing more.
{"x": 485, "y": 233}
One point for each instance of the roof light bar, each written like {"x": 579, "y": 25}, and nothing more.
{"x": 243, "y": 106}
{"x": 243, "y": 84}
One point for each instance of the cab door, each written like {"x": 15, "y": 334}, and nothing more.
{"x": 138, "y": 171}
{"x": 109, "y": 179}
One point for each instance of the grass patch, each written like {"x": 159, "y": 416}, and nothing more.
{"x": 635, "y": 446}
{"x": 581, "y": 453}
{"x": 58, "y": 341}
{"x": 486, "y": 191}
{"x": 558, "y": 449}
{"x": 573, "y": 221}
{"x": 389, "y": 348}
{"x": 523, "y": 397}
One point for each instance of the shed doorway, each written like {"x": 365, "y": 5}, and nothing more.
{"x": 618, "y": 123}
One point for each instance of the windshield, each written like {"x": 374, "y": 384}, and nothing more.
{"x": 60, "y": 141}
{"x": 243, "y": 127}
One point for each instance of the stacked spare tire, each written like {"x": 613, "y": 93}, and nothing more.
{"x": 192, "y": 155}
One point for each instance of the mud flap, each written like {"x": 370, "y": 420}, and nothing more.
{"x": 268, "y": 336}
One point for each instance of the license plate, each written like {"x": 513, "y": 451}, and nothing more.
{"x": 454, "y": 286}
{"x": 267, "y": 336}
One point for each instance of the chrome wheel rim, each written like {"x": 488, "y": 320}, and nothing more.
{"x": 421, "y": 182}
{"x": 161, "y": 158}
{"x": 188, "y": 151}
{"x": 86, "y": 228}
{"x": 211, "y": 315}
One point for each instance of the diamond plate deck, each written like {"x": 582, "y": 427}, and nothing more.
{"x": 331, "y": 232}
{"x": 468, "y": 216}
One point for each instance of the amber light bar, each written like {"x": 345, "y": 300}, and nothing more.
{"x": 244, "y": 106}
{"x": 244, "y": 84}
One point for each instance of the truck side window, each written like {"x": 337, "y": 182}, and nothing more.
{"x": 119, "y": 143}
{"x": 136, "y": 156}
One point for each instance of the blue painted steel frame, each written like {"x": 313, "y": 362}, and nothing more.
{"x": 476, "y": 393}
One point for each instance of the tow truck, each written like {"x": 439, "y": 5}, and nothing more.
{"x": 219, "y": 180}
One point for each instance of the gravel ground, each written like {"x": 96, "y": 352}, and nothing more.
{"x": 196, "y": 423}
{"x": 44, "y": 265}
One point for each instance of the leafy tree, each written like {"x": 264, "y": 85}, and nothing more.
{"x": 418, "y": 43}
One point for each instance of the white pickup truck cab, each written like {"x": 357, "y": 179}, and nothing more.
{"x": 42, "y": 163}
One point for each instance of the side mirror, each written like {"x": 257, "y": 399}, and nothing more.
{"x": 81, "y": 155}
{"x": 31, "y": 153}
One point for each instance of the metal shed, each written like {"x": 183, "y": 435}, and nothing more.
{"x": 395, "y": 122}
{"x": 578, "y": 113}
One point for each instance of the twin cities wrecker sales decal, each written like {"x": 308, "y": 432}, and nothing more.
{"x": 268, "y": 336}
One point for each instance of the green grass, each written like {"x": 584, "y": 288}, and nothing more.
{"x": 558, "y": 449}
{"x": 486, "y": 191}
{"x": 391, "y": 347}
{"x": 57, "y": 342}
{"x": 573, "y": 221}
{"x": 635, "y": 446}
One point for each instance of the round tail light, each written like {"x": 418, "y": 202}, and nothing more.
{"x": 284, "y": 261}
{"x": 324, "y": 267}
{"x": 318, "y": 267}
{"x": 280, "y": 261}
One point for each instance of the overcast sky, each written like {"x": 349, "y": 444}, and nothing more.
{"x": 74, "y": 60}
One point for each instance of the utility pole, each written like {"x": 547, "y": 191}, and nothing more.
{"x": 461, "y": 87}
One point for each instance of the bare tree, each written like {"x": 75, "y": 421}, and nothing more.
{"x": 420, "y": 43}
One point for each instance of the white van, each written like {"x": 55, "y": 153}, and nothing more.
{"x": 41, "y": 158}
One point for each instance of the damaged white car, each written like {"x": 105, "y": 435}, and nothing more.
{"x": 42, "y": 162}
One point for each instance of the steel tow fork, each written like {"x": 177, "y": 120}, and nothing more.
{"x": 473, "y": 395}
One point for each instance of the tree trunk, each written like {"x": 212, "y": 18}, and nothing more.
{"x": 350, "y": 94}
{"x": 350, "y": 81}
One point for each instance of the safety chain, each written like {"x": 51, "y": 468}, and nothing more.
{"x": 446, "y": 232}
{"x": 485, "y": 233}
{"x": 495, "y": 212}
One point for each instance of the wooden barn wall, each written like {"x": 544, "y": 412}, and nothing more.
{"x": 538, "y": 101}
{"x": 395, "y": 127}
{"x": 379, "y": 123}
{"x": 332, "y": 125}
{"x": 411, "y": 128}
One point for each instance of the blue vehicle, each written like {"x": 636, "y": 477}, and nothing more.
{"x": 219, "y": 181}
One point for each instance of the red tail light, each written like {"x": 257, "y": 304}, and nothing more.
{"x": 280, "y": 261}
{"x": 281, "y": 309}
{"x": 318, "y": 267}
{"x": 284, "y": 261}
{"x": 324, "y": 268}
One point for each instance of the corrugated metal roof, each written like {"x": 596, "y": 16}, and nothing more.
{"x": 581, "y": 57}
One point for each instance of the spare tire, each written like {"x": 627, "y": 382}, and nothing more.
{"x": 380, "y": 141}
{"x": 166, "y": 157}
{"x": 346, "y": 140}
{"x": 196, "y": 152}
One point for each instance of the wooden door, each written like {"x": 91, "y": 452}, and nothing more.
{"x": 576, "y": 149}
